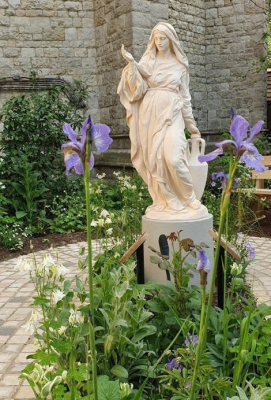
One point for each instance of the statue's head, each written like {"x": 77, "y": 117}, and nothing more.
{"x": 162, "y": 37}
{"x": 161, "y": 40}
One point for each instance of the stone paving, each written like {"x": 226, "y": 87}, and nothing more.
{"x": 15, "y": 299}
{"x": 259, "y": 272}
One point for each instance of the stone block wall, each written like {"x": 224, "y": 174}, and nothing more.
{"x": 188, "y": 18}
{"x": 120, "y": 22}
{"x": 82, "y": 39}
{"x": 234, "y": 77}
{"x": 113, "y": 26}
{"x": 53, "y": 37}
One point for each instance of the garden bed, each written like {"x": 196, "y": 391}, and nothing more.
{"x": 263, "y": 229}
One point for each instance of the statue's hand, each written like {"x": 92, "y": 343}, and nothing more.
{"x": 127, "y": 56}
{"x": 194, "y": 131}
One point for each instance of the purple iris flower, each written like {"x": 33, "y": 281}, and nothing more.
{"x": 250, "y": 249}
{"x": 75, "y": 151}
{"x": 174, "y": 364}
{"x": 223, "y": 178}
{"x": 244, "y": 149}
{"x": 203, "y": 262}
{"x": 240, "y": 234}
{"x": 193, "y": 339}
{"x": 188, "y": 385}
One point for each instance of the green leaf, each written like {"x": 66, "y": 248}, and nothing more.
{"x": 85, "y": 329}
{"x": 20, "y": 214}
{"x": 155, "y": 260}
{"x": 39, "y": 301}
{"x": 147, "y": 330}
{"x": 120, "y": 372}
{"x": 121, "y": 322}
{"x": 202, "y": 244}
{"x": 164, "y": 265}
{"x": 108, "y": 390}
{"x": 242, "y": 394}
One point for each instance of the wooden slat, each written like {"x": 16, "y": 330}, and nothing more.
{"x": 262, "y": 192}
{"x": 261, "y": 175}
{"x": 134, "y": 247}
{"x": 266, "y": 160}
{"x": 226, "y": 245}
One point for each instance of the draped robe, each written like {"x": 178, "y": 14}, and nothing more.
{"x": 158, "y": 105}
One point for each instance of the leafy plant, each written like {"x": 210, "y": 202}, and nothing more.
{"x": 32, "y": 127}
{"x": 27, "y": 194}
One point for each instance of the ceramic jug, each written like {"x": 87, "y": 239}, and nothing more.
{"x": 199, "y": 171}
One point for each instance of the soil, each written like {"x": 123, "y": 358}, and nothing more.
{"x": 262, "y": 228}
{"x": 43, "y": 243}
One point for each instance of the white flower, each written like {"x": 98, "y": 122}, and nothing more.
{"x": 101, "y": 176}
{"x": 62, "y": 270}
{"x": 23, "y": 264}
{"x": 236, "y": 269}
{"x": 75, "y": 317}
{"x": 108, "y": 221}
{"x": 101, "y": 222}
{"x": 126, "y": 389}
{"x": 109, "y": 231}
{"x": 64, "y": 375}
{"x": 57, "y": 295}
{"x": 116, "y": 173}
{"x": 31, "y": 325}
{"x": 94, "y": 223}
{"x": 48, "y": 261}
{"x": 62, "y": 330}
{"x": 98, "y": 191}
{"x": 58, "y": 270}
{"x": 104, "y": 213}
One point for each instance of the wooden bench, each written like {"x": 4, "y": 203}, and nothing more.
{"x": 260, "y": 190}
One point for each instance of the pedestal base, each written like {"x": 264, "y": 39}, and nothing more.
{"x": 197, "y": 230}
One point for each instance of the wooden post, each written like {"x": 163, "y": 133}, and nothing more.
{"x": 224, "y": 246}
{"x": 138, "y": 248}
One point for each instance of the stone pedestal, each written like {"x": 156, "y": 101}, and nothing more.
{"x": 197, "y": 230}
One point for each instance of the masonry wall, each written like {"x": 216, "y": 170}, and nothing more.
{"x": 82, "y": 39}
{"x": 120, "y": 22}
{"x": 188, "y": 18}
{"x": 54, "y": 38}
{"x": 234, "y": 77}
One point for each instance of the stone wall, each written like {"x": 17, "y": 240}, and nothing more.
{"x": 113, "y": 26}
{"x": 82, "y": 38}
{"x": 55, "y": 38}
{"x": 120, "y": 22}
{"x": 234, "y": 77}
{"x": 188, "y": 18}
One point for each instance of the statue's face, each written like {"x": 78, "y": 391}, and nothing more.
{"x": 161, "y": 41}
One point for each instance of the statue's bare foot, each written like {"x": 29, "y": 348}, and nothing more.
{"x": 172, "y": 211}
{"x": 158, "y": 208}
{"x": 176, "y": 206}
{"x": 195, "y": 204}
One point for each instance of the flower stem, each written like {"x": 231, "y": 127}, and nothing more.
{"x": 72, "y": 386}
{"x": 204, "y": 325}
{"x": 90, "y": 273}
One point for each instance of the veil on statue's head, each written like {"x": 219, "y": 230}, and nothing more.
{"x": 148, "y": 58}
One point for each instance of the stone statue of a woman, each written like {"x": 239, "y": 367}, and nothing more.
{"x": 155, "y": 93}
